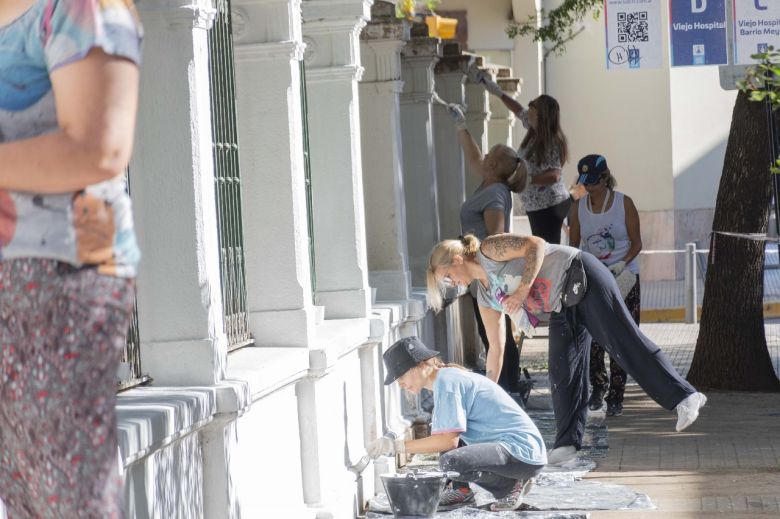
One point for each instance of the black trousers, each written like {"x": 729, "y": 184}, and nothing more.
{"x": 614, "y": 385}
{"x": 510, "y": 369}
{"x": 489, "y": 465}
{"x": 602, "y": 315}
{"x": 546, "y": 223}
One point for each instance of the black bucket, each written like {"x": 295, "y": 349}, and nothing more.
{"x": 414, "y": 494}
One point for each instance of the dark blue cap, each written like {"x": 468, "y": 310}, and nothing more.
{"x": 590, "y": 168}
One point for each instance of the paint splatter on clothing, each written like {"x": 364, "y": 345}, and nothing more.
{"x": 93, "y": 226}
{"x": 62, "y": 333}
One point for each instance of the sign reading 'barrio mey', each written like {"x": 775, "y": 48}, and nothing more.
{"x": 698, "y": 32}
{"x": 756, "y": 28}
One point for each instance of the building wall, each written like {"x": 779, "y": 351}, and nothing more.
{"x": 663, "y": 131}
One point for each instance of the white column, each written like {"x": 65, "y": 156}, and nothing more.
{"x": 172, "y": 174}
{"x": 477, "y": 117}
{"x": 419, "y": 159}
{"x": 528, "y": 55}
{"x": 268, "y": 50}
{"x": 502, "y": 120}
{"x": 333, "y": 69}
{"x": 450, "y": 74}
{"x": 380, "y": 123}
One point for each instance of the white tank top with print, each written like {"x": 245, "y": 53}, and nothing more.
{"x": 605, "y": 234}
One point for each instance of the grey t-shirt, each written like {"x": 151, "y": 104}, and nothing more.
{"x": 545, "y": 294}
{"x": 494, "y": 196}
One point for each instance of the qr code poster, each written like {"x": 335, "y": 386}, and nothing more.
{"x": 634, "y": 34}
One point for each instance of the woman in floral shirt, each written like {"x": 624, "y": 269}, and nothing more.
{"x": 68, "y": 94}
{"x": 545, "y": 199}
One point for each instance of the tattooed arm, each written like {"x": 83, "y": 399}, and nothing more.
{"x": 494, "y": 329}
{"x": 506, "y": 247}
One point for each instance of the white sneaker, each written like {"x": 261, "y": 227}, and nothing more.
{"x": 561, "y": 455}
{"x": 688, "y": 410}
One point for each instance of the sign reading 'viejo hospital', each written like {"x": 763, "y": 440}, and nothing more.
{"x": 756, "y": 27}
{"x": 698, "y": 32}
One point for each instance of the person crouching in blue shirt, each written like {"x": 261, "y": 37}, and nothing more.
{"x": 504, "y": 450}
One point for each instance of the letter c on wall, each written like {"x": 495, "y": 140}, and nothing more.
{"x": 759, "y": 6}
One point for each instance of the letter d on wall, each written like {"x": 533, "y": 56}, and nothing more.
{"x": 759, "y": 6}
{"x": 699, "y": 6}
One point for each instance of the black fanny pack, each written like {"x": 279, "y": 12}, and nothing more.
{"x": 575, "y": 283}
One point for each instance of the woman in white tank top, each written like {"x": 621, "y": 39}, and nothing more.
{"x": 605, "y": 223}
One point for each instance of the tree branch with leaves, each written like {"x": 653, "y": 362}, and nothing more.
{"x": 558, "y": 26}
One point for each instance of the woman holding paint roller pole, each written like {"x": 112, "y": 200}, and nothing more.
{"x": 582, "y": 299}
{"x": 546, "y": 200}
{"x": 486, "y": 212}
{"x": 503, "y": 449}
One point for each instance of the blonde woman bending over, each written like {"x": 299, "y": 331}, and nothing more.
{"x": 582, "y": 300}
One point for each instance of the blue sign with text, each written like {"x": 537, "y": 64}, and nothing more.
{"x": 697, "y": 30}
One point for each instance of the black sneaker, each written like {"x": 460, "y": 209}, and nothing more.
{"x": 453, "y": 498}
{"x": 514, "y": 499}
{"x": 596, "y": 401}
{"x": 614, "y": 409}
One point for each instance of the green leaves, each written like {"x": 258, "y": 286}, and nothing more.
{"x": 410, "y": 8}
{"x": 763, "y": 80}
{"x": 558, "y": 26}
{"x": 763, "y": 84}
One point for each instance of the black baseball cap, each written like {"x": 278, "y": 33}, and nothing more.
{"x": 590, "y": 168}
{"x": 403, "y": 356}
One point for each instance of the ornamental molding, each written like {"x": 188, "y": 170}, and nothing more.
{"x": 325, "y": 74}
{"x": 275, "y": 51}
{"x": 191, "y": 17}
{"x": 417, "y": 98}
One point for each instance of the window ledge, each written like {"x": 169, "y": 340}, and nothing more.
{"x": 151, "y": 417}
{"x": 335, "y": 338}
{"x": 267, "y": 369}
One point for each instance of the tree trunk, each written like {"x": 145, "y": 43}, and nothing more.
{"x": 731, "y": 351}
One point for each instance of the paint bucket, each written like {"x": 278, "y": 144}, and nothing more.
{"x": 414, "y": 494}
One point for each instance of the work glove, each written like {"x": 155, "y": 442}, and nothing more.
{"x": 386, "y": 446}
{"x": 490, "y": 85}
{"x": 457, "y": 115}
{"x": 617, "y": 268}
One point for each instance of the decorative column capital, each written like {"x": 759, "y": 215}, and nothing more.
{"x": 422, "y": 49}
{"x": 381, "y": 42}
{"x": 190, "y": 16}
{"x": 320, "y": 10}
{"x": 331, "y": 30}
{"x": 384, "y": 25}
{"x": 418, "y": 58}
{"x": 477, "y": 102}
{"x": 452, "y": 60}
{"x": 260, "y": 21}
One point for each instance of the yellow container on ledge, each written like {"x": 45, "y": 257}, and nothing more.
{"x": 439, "y": 27}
